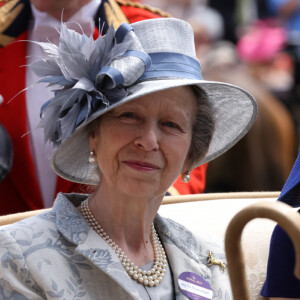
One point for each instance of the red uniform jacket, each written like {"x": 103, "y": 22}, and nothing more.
{"x": 20, "y": 191}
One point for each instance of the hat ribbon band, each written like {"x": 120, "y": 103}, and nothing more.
{"x": 115, "y": 76}
{"x": 168, "y": 64}
{"x": 122, "y": 31}
{"x": 141, "y": 55}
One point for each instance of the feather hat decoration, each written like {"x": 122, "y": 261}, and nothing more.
{"x": 88, "y": 76}
{"x": 95, "y": 76}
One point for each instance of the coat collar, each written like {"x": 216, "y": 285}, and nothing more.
{"x": 69, "y": 222}
{"x": 183, "y": 251}
{"x": 87, "y": 241}
{"x": 290, "y": 193}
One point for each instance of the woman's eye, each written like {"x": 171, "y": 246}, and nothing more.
{"x": 171, "y": 125}
{"x": 129, "y": 115}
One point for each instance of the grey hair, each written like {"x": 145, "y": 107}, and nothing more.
{"x": 203, "y": 127}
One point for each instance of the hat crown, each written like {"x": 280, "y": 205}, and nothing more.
{"x": 166, "y": 35}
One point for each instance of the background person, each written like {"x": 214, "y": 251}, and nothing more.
{"x": 281, "y": 281}
{"x": 130, "y": 124}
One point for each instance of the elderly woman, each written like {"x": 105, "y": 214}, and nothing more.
{"x": 131, "y": 114}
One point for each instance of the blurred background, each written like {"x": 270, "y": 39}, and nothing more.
{"x": 254, "y": 44}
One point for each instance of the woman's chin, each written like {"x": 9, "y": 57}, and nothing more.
{"x": 142, "y": 188}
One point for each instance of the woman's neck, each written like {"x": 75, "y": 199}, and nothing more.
{"x": 127, "y": 220}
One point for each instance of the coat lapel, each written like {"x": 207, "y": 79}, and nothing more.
{"x": 183, "y": 252}
{"x": 186, "y": 253}
{"x": 94, "y": 248}
{"x": 180, "y": 263}
{"x": 72, "y": 225}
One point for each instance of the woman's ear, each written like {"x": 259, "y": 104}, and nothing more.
{"x": 187, "y": 166}
{"x": 186, "y": 171}
{"x": 93, "y": 141}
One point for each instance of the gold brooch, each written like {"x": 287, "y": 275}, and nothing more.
{"x": 211, "y": 260}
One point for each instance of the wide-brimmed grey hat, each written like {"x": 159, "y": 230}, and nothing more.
{"x": 136, "y": 60}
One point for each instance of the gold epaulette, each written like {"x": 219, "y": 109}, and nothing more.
{"x": 154, "y": 10}
{"x": 8, "y": 13}
{"x": 114, "y": 14}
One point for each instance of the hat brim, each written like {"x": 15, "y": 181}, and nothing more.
{"x": 235, "y": 112}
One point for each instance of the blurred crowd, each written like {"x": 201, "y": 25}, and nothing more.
{"x": 256, "y": 45}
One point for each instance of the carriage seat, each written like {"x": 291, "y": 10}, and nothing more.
{"x": 198, "y": 214}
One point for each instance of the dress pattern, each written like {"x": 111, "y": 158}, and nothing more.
{"x": 56, "y": 255}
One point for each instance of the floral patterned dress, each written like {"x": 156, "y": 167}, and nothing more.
{"x": 56, "y": 255}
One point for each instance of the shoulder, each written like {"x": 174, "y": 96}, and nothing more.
{"x": 25, "y": 232}
{"x": 136, "y": 4}
{"x": 280, "y": 278}
{"x": 14, "y": 19}
{"x": 197, "y": 248}
{"x": 63, "y": 220}
{"x": 43, "y": 226}
{"x": 195, "y": 243}
{"x": 281, "y": 243}
{"x": 19, "y": 242}
{"x": 174, "y": 233}
{"x": 135, "y": 11}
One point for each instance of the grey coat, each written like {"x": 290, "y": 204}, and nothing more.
{"x": 56, "y": 255}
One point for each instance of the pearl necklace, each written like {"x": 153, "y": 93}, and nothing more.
{"x": 152, "y": 277}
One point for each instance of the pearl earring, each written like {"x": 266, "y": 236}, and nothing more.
{"x": 92, "y": 158}
{"x": 185, "y": 177}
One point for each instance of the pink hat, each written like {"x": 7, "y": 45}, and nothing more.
{"x": 264, "y": 40}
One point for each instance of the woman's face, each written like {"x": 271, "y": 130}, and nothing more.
{"x": 141, "y": 146}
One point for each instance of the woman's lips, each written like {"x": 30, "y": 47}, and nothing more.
{"x": 141, "y": 165}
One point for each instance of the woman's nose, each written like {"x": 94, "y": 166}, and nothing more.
{"x": 148, "y": 139}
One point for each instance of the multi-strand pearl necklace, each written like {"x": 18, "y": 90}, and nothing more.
{"x": 152, "y": 277}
